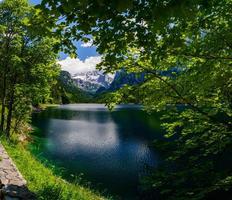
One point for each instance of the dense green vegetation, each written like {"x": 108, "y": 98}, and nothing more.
{"x": 184, "y": 47}
{"x": 28, "y": 63}
{"x": 66, "y": 91}
{"x": 29, "y": 76}
{"x": 41, "y": 179}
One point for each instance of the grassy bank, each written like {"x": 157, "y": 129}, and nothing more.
{"x": 47, "y": 105}
{"x": 42, "y": 181}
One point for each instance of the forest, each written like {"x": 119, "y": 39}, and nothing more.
{"x": 183, "y": 50}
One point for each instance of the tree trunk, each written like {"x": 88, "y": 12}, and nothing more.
{"x": 10, "y": 107}
{"x": 4, "y": 87}
{"x": 3, "y": 100}
{"x": 9, "y": 116}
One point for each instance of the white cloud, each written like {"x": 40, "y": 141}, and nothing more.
{"x": 87, "y": 44}
{"x": 75, "y": 65}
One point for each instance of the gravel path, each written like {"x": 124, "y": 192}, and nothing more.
{"x": 12, "y": 183}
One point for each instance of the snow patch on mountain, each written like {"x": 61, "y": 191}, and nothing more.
{"x": 85, "y": 75}
{"x": 91, "y": 81}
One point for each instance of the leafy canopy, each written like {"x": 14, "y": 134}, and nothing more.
{"x": 27, "y": 61}
{"x": 184, "y": 48}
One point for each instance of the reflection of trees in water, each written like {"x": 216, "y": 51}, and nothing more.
{"x": 138, "y": 123}
{"x": 109, "y": 147}
{"x": 128, "y": 122}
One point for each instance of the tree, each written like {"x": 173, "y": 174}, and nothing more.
{"x": 184, "y": 47}
{"x": 66, "y": 91}
{"x": 28, "y": 61}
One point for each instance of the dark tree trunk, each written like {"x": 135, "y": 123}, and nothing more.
{"x": 3, "y": 100}
{"x": 10, "y": 107}
{"x": 9, "y": 116}
{"x": 4, "y": 87}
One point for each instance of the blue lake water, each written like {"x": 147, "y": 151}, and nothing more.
{"x": 111, "y": 149}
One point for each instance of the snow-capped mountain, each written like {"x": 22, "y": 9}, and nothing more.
{"x": 91, "y": 81}
{"x": 121, "y": 78}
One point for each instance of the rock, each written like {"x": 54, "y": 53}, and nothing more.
{"x": 1, "y": 192}
{"x": 17, "y": 192}
{"x": 1, "y": 185}
{"x": 10, "y": 198}
{"x": 12, "y": 184}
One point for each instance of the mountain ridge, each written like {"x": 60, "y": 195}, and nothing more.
{"x": 91, "y": 81}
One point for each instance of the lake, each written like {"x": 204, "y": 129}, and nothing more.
{"x": 111, "y": 149}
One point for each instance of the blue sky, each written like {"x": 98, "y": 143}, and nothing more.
{"x": 87, "y": 59}
{"x": 35, "y": 1}
{"x": 83, "y": 52}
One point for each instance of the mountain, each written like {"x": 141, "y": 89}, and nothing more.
{"x": 91, "y": 85}
{"x": 67, "y": 91}
{"x": 85, "y": 86}
{"x": 92, "y": 81}
{"x": 122, "y": 78}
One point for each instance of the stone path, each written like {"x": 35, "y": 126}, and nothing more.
{"x": 12, "y": 183}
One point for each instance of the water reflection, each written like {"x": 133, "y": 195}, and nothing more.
{"x": 82, "y": 134}
{"x": 110, "y": 148}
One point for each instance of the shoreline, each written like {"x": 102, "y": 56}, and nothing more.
{"x": 41, "y": 179}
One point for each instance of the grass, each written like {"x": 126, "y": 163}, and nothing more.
{"x": 46, "y": 105}
{"x": 42, "y": 180}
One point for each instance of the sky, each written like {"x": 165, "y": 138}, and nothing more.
{"x": 87, "y": 56}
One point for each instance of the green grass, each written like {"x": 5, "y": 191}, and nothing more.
{"x": 46, "y": 105}
{"x": 42, "y": 181}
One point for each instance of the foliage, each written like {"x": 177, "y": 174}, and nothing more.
{"x": 41, "y": 179}
{"x": 66, "y": 90}
{"x": 184, "y": 48}
{"x": 28, "y": 62}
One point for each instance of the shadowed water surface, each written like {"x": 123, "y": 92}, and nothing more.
{"x": 112, "y": 149}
